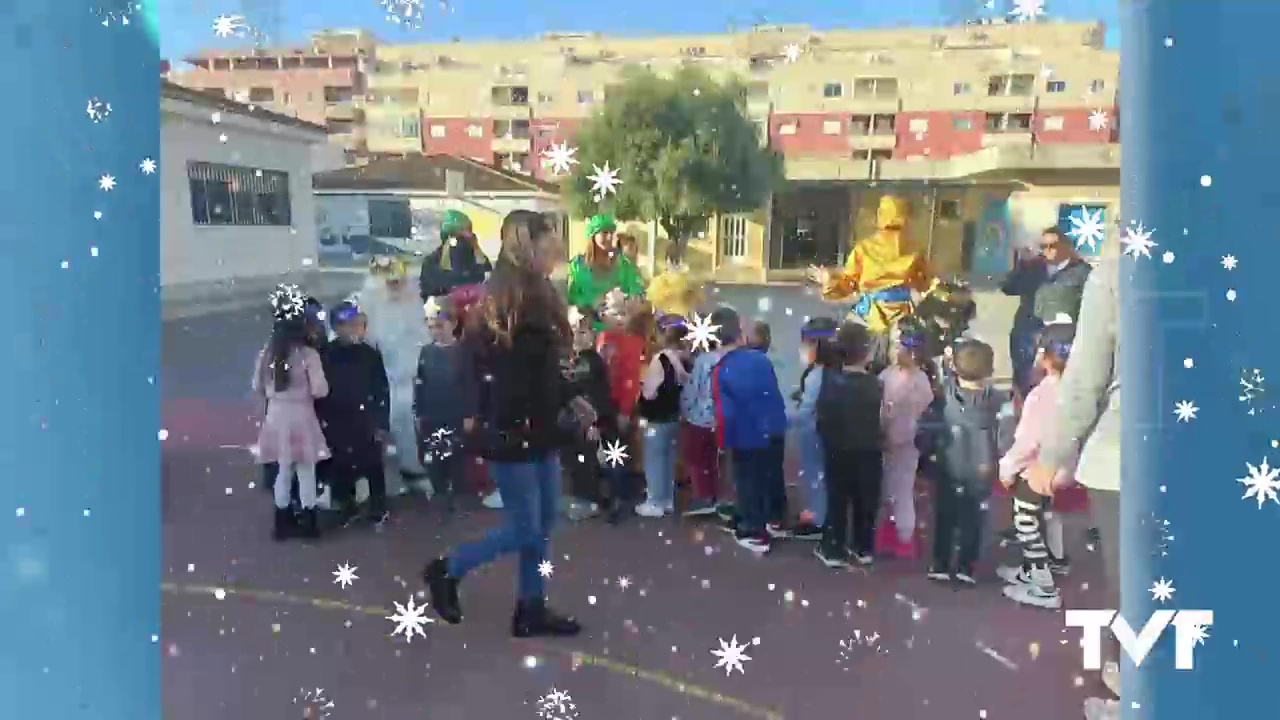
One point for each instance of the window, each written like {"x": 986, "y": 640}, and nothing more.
{"x": 1097, "y": 86}
{"x": 694, "y": 51}
{"x": 1011, "y": 85}
{"x": 918, "y": 125}
{"x": 1055, "y": 86}
{"x": 949, "y": 209}
{"x": 288, "y": 98}
{"x": 1053, "y": 123}
{"x": 546, "y": 97}
{"x": 882, "y": 154}
{"x": 832, "y": 90}
{"x": 339, "y": 127}
{"x": 510, "y": 95}
{"x": 475, "y": 131}
{"x": 262, "y": 95}
{"x": 882, "y": 124}
{"x": 961, "y": 88}
{"x": 881, "y": 88}
{"x": 408, "y": 127}
{"x": 758, "y": 91}
{"x": 1008, "y": 122}
{"x": 390, "y": 218}
{"x": 586, "y": 97}
{"x": 788, "y": 128}
{"x": 437, "y": 131}
{"x": 231, "y": 195}
{"x": 962, "y": 124}
{"x": 733, "y": 236}
{"x": 830, "y": 127}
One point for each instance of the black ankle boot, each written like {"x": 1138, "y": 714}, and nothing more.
{"x": 534, "y": 619}
{"x": 443, "y": 590}
{"x": 284, "y": 527}
{"x": 309, "y": 524}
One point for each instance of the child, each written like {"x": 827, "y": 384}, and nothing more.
{"x": 317, "y": 336}
{"x": 439, "y": 406}
{"x": 623, "y": 348}
{"x": 589, "y": 378}
{"x": 751, "y": 424}
{"x": 659, "y": 407}
{"x": 675, "y": 291}
{"x": 1039, "y": 530}
{"x": 907, "y": 395}
{"x": 355, "y": 415}
{"x": 818, "y": 355}
{"x": 966, "y": 466}
{"x": 699, "y": 453}
{"x": 760, "y": 336}
{"x": 290, "y": 377}
{"x": 850, "y": 425}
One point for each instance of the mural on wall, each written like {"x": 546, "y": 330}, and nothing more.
{"x": 993, "y": 246}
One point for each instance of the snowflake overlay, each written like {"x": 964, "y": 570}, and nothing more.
{"x": 731, "y": 656}
{"x": 97, "y": 110}
{"x": 1098, "y": 120}
{"x": 1261, "y": 483}
{"x": 410, "y": 619}
{"x": 345, "y": 575}
{"x": 230, "y": 25}
{"x": 407, "y": 13}
{"x": 287, "y": 302}
{"x": 604, "y": 181}
{"x": 557, "y": 705}
{"x": 119, "y": 16}
{"x": 1137, "y": 241}
{"x": 615, "y": 453}
{"x": 315, "y": 704}
{"x": 1252, "y": 388}
{"x": 1088, "y": 228}
{"x": 702, "y": 333}
{"x": 1027, "y": 10}
{"x": 1162, "y": 590}
{"x": 560, "y": 157}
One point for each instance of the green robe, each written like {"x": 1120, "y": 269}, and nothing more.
{"x": 586, "y": 290}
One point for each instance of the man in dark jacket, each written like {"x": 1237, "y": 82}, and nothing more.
{"x": 457, "y": 263}
{"x": 1049, "y": 283}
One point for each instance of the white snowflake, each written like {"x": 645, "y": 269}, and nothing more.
{"x": 560, "y": 156}
{"x": 1137, "y": 241}
{"x": 404, "y": 12}
{"x": 604, "y": 181}
{"x": 1200, "y": 633}
{"x": 1252, "y": 386}
{"x": 701, "y": 332}
{"x": 1168, "y": 257}
{"x": 1088, "y": 228}
{"x": 107, "y": 182}
{"x": 1185, "y": 410}
{"x": 575, "y": 316}
{"x": 345, "y": 575}
{"x": 624, "y": 582}
{"x": 431, "y": 308}
{"x": 792, "y": 52}
{"x": 97, "y": 110}
{"x": 410, "y": 620}
{"x": 1231, "y": 295}
{"x": 147, "y": 166}
{"x": 1098, "y": 120}
{"x": 731, "y": 655}
{"x": 615, "y": 453}
{"x": 1027, "y": 10}
{"x": 1229, "y": 262}
{"x": 1261, "y": 483}
{"x": 287, "y": 302}
{"x": 118, "y": 15}
{"x": 1162, "y": 590}
{"x": 315, "y": 704}
{"x": 557, "y": 705}
{"x": 545, "y": 568}
{"x": 228, "y": 25}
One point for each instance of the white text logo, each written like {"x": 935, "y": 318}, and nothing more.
{"x": 1189, "y": 627}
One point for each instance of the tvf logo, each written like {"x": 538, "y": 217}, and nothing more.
{"x": 1189, "y": 628}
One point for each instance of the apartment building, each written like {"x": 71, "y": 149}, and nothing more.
{"x": 323, "y": 82}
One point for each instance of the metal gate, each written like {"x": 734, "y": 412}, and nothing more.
{"x": 733, "y": 237}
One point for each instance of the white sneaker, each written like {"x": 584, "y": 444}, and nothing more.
{"x": 1012, "y": 574}
{"x": 1111, "y": 676}
{"x": 1038, "y": 591}
{"x": 650, "y": 510}
{"x": 1100, "y": 709}
{"x": 493, "y": 500}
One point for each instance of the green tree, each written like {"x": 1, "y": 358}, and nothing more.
{"x": 683, "y": 148}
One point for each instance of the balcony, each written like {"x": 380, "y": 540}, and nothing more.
{"x": 509, "y": 112}
{"x": 1011, "y": 162}
{"x": 1007, "y": 103}
{"x": 507, "y": 144}
{"x": 826, "y": 168}
{"x": 343, "y": 110}
{"x": 1008, "y": 138}
{"x": 874, "y": 141}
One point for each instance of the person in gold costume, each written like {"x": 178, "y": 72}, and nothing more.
{"x": 883, "y": 275}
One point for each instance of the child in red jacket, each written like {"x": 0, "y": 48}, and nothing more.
{"x": 624, "y": 347}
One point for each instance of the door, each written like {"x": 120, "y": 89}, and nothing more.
{"x": 992, "y": 253}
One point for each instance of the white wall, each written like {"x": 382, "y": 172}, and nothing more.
{"x": 191, "y": 253}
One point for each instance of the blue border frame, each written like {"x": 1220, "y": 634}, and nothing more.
{"x": 80, "y": 588}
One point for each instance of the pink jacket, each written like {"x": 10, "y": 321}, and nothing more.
{"x": 1037, "y": 424}
{"x": 907, "y": 394}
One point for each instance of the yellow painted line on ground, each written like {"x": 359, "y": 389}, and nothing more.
{"x": 663, "y": 679}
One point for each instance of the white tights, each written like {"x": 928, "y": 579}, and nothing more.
{"x": 306, "y": 484}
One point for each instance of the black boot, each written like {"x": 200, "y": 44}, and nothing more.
{"x": 309, "y": 524}
{"x": 534, "y": 619}
{"x": 285, "y": 527}
{"x": 443, "y": 590}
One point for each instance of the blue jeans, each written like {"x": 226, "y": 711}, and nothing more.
{"x": 813, "y": 488}
{"x": 530, "y": 499}
{"x": 660, "y": 462}
{"x": 761, "y": 487}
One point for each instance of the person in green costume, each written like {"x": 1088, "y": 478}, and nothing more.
{"x": 602, "y": 267}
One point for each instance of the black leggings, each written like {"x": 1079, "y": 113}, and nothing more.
{"x": 853, "y": 482}
{"x": 957, "y": 524}
{"x": 1028, "y": 523}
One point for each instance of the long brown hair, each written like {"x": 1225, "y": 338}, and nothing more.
{"x": 599, "y": 258}
{"x": 518, "y": 293}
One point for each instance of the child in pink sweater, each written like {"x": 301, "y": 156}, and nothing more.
{"x": 907, "y": 394}
{"x": 1038, "y": 526}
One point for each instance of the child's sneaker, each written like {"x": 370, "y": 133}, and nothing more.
{"x": 1038, "y": 592}
{"x": 493, "y": 500}
{"x": 863, "y": 558}
{"x": 700, "y": 508}
{"x": 776, "y": 531}
{"x": 1060, "y": 567}
{"x": 1012, "y": 574}
{"x": 807, "y": 531}
{"x": 579, "y": 510}
{"x": 726, "y": 511}
{"x": 831, "y": 557}
{"x": 939, "y": 574}
{"x": 1111, "y": 676}
{"x": 1100, "y": 709}
{"x": 965, "y": 576}
{"x": 650, "y": 510}
{"x": 754, "y": 542}
{"x": 729, "y": 526}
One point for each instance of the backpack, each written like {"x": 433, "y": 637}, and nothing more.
{"x": 848, "y": 412}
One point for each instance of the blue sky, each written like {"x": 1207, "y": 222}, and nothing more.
{"x": 185, "y": 25}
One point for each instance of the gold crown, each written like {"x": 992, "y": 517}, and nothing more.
{"x": 388, "y": 267}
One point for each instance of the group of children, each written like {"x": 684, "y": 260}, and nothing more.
{"x": 704, "y": 415}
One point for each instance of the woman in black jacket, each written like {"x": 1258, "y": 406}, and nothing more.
{"x": 519, "y": 398}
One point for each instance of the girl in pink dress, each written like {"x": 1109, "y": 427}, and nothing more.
{"x": 289, "y": 376}
{"x": 907, "y": 395}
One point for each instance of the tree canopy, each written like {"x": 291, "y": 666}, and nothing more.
{"x": 683, "y": 149}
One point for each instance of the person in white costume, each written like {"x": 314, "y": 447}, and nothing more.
{"x": 398, "y": 329}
